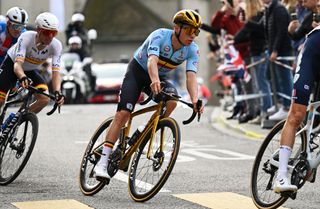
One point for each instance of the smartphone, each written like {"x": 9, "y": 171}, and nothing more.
{"x": 294, "y": 16}
{"x": 230, "y": 2}
{"x": 315, "y": 17}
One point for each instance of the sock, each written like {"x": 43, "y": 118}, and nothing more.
{"x": 107, "y": 148}
{"x": 284, "y": 155}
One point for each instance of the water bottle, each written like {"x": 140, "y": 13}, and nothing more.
{"x": 8, "y": 120}
{"x": 135, "y": 135}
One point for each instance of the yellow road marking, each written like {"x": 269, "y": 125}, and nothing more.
{"x": 51, "y": 204}
{"x": 223, "y": 200}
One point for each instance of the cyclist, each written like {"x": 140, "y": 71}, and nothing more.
{"x": 161, "y": 52}
{"x": 10, "y": 30}
{"x": 304, "y": 78}
{"x": 26, "y": 56}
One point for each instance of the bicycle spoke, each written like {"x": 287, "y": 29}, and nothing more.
{"x": 150, "y": 173}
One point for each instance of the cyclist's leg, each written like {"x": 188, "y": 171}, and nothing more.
{"x": 132, "y": 85}
{"x": 39, "y": 83}
{"x": 303, "y": 85}
{"x": 7, "y": 79}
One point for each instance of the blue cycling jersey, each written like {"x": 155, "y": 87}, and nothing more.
{"x": 5, "y": 42}
{"x": 307, "y": 70}
{"x": 159, "y": 43}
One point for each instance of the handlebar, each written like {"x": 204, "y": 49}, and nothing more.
{"x": 164, "y": 96}
{"x": 52, "y": 97}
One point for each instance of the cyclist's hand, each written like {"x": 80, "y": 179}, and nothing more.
{"x": 155, "y": 87}
{"x": 25, "y": 82}
{"x": 198, "y": 106}
{"x": 59, "y": 98}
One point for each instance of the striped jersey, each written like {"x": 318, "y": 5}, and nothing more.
{"x": 159, "y": 43}
{"x": 25, "y": 50}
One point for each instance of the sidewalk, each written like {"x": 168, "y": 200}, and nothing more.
{"x": 232, "y": 127}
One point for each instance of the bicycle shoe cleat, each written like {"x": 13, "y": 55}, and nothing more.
{"x": 283, "y": 185}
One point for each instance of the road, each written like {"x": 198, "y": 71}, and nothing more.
{"x": 212, "y": 171}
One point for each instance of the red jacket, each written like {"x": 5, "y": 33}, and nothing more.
{"x": 231, "y": 24}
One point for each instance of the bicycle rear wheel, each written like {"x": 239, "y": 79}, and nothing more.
{"x": 88, "y": 183}
{"x": 265, "y": 167}
{"x": 17, "y": 148}
{"x": 147, "y": 176}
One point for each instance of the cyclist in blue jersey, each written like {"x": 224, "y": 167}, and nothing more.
{"x": 307, "y": 73}
{"x": 161, "y": 52}
{"x": 10, "y": 30}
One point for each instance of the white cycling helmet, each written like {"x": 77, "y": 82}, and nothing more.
{"x": 47, "y": 21}
{"x": 17, "y": 15}
{"x": 75, "y": 40}
{"x": 77, "y": 17}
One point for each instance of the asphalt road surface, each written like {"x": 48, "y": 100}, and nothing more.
{"x": 212, "y": 170}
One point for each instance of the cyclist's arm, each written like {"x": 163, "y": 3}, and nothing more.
{"x": 153, "y": 58}
{"x": 153, "y": 73}
{"x": 56, "y": 80}
{"x": 192, "y": 68}
{"x": 56, "y": 57}
{"x": 18, "y": 70}
{"x": 192, "y": 86}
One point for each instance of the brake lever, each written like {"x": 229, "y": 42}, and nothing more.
{"x": 199, "y": 105}
{"x": 55, "y": 106}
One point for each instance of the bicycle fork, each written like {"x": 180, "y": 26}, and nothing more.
{"x": 4, "y": 134}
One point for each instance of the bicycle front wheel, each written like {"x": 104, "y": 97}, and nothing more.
{"x": 147, "y": 176}
{"x": 265, "y": 167}
{"x": 88, "y": 183}
{"x": 17, "y": 148}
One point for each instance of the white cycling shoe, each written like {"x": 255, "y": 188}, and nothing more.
{"x": 283, "y": 185}
{"x": 101, "y": 171}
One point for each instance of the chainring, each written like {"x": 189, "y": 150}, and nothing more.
{"x": 299, "y": 173}
{"x": 114, "y": 162}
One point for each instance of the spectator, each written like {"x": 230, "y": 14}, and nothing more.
{"x": 298, "y": 31}
{"x": 276, "y": 25}
{"x": 230, "y": 18}
{"x": 300, "y": 14}
{"x": 257, "y": 50}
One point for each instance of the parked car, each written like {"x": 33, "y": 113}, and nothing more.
{"x": 109, "y": 77}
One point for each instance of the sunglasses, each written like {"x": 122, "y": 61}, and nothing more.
{"x": 17, "y": 26}
{"x": 51, "y": 33}
{"x": 192, "y": 30}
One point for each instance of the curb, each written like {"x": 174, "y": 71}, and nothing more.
{"x": 219, "y": 122}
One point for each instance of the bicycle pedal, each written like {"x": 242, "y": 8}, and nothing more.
{"x": 104, "y": 180}
{"x": 292, "y": 195}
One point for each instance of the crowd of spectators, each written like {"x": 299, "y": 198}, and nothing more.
{"x": 268, "y": 35}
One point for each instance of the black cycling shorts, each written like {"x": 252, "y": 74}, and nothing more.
{"x": 136, "y": 81}
{"x": 307, "y": 71}
{"x": 8, "y": 78}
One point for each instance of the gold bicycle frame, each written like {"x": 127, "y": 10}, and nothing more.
{"x": 152, "y": 124}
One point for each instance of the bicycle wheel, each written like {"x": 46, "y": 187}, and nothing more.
{"x": 265, "y": 167}
{"x": 147, "y": 176}
{"x": 88, "y": 183}
{"x": 17, "y": 148}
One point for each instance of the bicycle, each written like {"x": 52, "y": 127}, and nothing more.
{"x": 18, "y": 137}
{"x": 155, "y": 152}
{"x": 302, "y": 165}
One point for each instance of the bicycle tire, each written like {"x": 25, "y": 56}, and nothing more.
{"x": 270, "y": 147}
{"x": 140, "y": 193}
{"x": 7, "y": 146}
{"x": 88, "y": 183}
